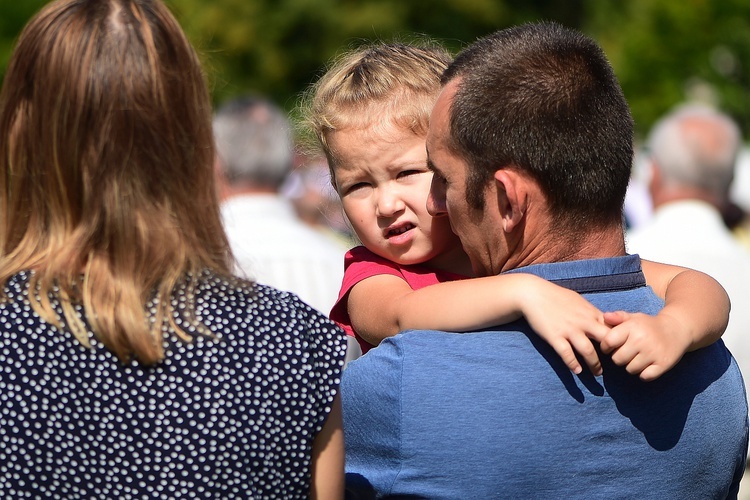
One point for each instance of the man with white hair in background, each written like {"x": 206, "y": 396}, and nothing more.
{"x": 693, "y": 151}
{"x": 270, "y": 243}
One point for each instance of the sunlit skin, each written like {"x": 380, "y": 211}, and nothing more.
{"x": 383, "y": 181}
{"x": 504, "y": 235}
{"x": 398, "y": 189}
{"x": 494, "y": 242}
{"x": 447, "y": 197}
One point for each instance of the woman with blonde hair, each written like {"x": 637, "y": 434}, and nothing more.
{"x": 133, "y": 363}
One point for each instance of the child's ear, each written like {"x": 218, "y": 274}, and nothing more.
{"x": 512, "y": 198}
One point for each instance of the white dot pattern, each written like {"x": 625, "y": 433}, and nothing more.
{"x": 226, "y": 417}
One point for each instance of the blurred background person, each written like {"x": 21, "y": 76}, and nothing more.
{"x": 638, "y": 208}
{"x": 270, "y": 243}
{"x": 693, "y": 152}
{"x": 739, "y": 211}
{"x": 135, "y": 364}
{"x": 310, "y": 189}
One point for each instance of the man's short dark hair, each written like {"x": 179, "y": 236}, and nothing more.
{"x": 543, "y": 98}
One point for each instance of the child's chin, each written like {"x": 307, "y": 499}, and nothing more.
{"x": 411, "y": 260}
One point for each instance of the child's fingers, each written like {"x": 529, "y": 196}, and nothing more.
{"x": 614, "y": 339}
{"x": 614, "y": 318}
{"x": 586, "y": 350}
{"x": 624, "y": 355}
{"x": 598, "y": 331}
{"x": 651, "y": 372}
{"x": 638, "y": 365}
{"x": 568, "y": 356}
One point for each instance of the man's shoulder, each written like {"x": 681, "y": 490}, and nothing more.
{"x": 514, "y": 351}
{"x": 424, "y": 349}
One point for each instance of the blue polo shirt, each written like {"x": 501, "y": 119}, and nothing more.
{"x": 496, "y": 413}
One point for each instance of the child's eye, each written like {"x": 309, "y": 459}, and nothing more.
{"x": 356, "y": 187}
{"x": 407, "y": 173}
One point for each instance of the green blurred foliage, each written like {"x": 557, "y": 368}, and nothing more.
{"x": 668, "y": 51}
{"x": 277, "y": 47}
{"x": 13, "y": 16}
{"x": 664, "y": 51}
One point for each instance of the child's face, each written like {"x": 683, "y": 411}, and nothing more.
{"x": 383, "y": 182}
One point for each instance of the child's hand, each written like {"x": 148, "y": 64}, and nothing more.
{"x": 645, "y": 345}
{"x": 567, "y": 322}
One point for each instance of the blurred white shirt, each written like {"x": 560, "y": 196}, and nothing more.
{"x": 692, "y": 234}
{"x": 273, "y": 247}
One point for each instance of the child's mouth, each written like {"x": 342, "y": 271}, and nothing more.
{"x": 395, "y": 231}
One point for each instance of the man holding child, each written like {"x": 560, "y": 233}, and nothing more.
{"x": 530, "y": 143}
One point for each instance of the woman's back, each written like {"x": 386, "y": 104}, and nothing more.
{"x": 227, "y": 417}
{"x": 131, "y": 363}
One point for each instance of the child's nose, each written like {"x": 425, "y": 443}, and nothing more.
{"x": 388, "y": 203}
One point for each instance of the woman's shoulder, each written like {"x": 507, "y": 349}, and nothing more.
{"x": 17, "y": 284}
{"x": 15, "y": 293}
{"x": 234, "y": 303}
{"x": 233, "y": 292}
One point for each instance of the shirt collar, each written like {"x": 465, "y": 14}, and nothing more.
{"x": 593, "y": 275}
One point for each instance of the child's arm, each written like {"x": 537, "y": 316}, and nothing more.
{"x": 695, "y": 314}
{"x": 383, "y": 305}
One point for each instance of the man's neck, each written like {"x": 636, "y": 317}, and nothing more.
{"x": 555, "y": 247}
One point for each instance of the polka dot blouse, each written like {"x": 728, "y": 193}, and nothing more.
{"x": 226, "y": 417}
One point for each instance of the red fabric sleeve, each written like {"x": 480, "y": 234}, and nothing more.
{"x": 359, "y": 264}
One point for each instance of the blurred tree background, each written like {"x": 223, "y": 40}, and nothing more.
{"x": 664, "y": 51}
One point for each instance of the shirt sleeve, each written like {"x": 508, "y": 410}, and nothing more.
{"x": 359, "y": 264}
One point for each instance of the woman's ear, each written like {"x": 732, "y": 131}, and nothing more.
{"x": 512, "y": 197}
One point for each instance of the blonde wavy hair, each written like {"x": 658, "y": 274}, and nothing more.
{"x": 375, "y": 86}
{"x": 106, "y": 151}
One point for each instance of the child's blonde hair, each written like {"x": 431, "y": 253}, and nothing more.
{"x": 376, "y": 86}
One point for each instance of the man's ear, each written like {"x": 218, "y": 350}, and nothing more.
{"x": 512, "y": 198}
